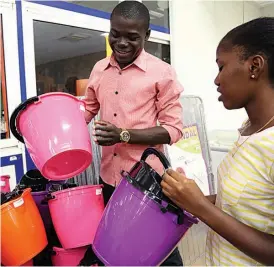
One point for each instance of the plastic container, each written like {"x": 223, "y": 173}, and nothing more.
{"x": 23, "y": 235}
{"x": 62, "y": 150}
{"x": 39, "y": 189}
{"x": 35, "y": 180}
{"x": 67, "y": 257}
{"x": 140, "y": 226}
{"x": 76, "y": 213}
{"x": 28, "y": 263}
{"x": 5, "y": 183}
{"x": 43, "y": 208}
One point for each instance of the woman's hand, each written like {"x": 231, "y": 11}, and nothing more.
{"x": 183, "y": 191}
{"x": 186, "y": 194}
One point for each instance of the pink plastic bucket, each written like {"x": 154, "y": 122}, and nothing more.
{"x": 54, "y": 130}
{"x": 76, "y": 213}
{"x": 5, "y": 183}
{"x": 28, "y": 263}
{"x": 67, "y": 257}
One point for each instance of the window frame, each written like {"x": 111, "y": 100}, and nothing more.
{"x": 4, "y": 99}
{"x": 34, "y": 11}
{"x": 10, "y": 63}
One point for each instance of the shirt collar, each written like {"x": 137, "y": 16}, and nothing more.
{"x": 140, "y": 61}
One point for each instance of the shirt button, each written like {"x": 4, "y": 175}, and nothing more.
{"x": 115, "y": 114}
{"x": 114, "y": 154}
{"x": 116, "y": 93}
{"x": 120, "y": 72}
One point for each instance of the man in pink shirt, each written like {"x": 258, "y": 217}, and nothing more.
{"x": 137, "y": 95}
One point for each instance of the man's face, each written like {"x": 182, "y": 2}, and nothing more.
{"x": 127, "y": 39}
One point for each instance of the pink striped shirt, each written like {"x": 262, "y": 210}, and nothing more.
{"x": 135, "y": 97}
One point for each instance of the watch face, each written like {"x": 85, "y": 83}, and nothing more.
{"x": 125, "y": 136}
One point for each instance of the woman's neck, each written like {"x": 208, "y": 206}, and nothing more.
{"x": 261, "y": 110}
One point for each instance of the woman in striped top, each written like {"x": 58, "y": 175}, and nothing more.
{"x": 242, "y": 219}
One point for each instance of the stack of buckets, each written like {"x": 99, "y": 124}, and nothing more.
{"x": 54, "y": 130}
{"x": 75, "y": 214}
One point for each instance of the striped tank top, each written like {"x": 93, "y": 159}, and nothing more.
{"x": 245, "y": 191}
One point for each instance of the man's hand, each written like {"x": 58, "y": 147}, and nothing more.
{"x": 106, "y": 134}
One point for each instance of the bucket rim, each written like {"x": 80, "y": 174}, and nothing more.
{"x": 61, "y": 94}
{"x": 63, "y": 250}
{"x": 32, "y": 255}
{"x": 29, "y": 176}
{"x": 72, "y": 174}
{"x": 58, "y": 249}
{"x": 36, "y": 99}
{"x": 5, "y": 177}
{"x": 75, "y": 189}
{"x": 7, "y": 206}
{"x": 39, "y": 193}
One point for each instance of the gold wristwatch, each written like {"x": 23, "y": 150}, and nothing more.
{"x": 124, "y": 136}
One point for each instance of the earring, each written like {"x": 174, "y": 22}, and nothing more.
{"x": 252, "y": 76}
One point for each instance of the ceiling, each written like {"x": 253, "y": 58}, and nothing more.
{"x": 264, "y": 3}
{"x": 106, "y": 6}
{"x": 54, "y": 42}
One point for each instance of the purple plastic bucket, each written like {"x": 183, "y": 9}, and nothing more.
{"x": 39, "y": 198}
{"x": 135, "y": 232}
{"x": 43, "y": 208}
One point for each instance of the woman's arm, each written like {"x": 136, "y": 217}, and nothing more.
{"x": 186, "y": 194}
{"x": 212, "y": 198}
{"x": 254, "y": 243}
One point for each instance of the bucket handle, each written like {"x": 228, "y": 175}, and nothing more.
{"x": 46, "y": 199}
{"x": 15, "y": 114}
{"x": 152, "y": 151}
{"x": 164, "y": 207}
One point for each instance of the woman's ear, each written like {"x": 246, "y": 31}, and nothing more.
{"x": 257, "y": 65}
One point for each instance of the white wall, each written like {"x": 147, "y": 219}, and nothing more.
{"x": 268, "y": 10}
{"x": 251, "y": 11}
{"x": 196, "y": 28}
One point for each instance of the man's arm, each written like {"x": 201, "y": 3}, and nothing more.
{"x": 92, "y": 104}
{"x": 107, "y": 134}
{"x": 169, "y": 112}
{"x": 169, "y": 108}
{"x": 151, "y": 136}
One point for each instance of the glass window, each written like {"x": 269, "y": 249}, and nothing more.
{"x": 161, "y": 51}
{"x": 159, "y": 12}
{"x": 106, "y": 6}
{"x": 65, "y": 56}
{"x": 4, "y": 104}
